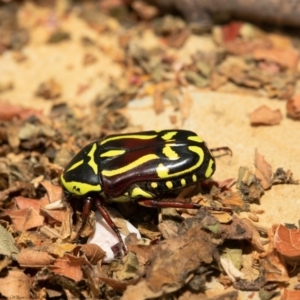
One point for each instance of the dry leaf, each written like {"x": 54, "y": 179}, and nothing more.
{"x": 32, "y": 258}
{"x": 93, "y": 252}
{"x": 69, "y": 266}
{"x": 7, "y": 245}
{"x": 263, "y": 171}
{"x": 169, "y": 272}
{"x": 293, "y": 107}
{"x": 249, "y": 185}
{"x": 54, "y": 192}
{"x": 236, "y": 230}
{"x": 60, "y": 249}
{"x": 8, "y": 112}
{"x": 50, "y": 89}
{"x": 274, "y": 267}
{"x": 290, "y": 295}
{"x": 285, "y": 57}
{"x": 287, "y": 241}
{"x": 26, "y": 219}
{"x": 15, "y": 284}
{"x": 255, "y": 240}
{"x": 265, "y": 116}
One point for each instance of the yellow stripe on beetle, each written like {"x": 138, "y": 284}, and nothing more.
{"x": 138, "y": 192}
{"x": 195, "y": 138}
{"x": 79, "y": 188}
{"x": 163, "y": 171}
{"x": 168, "y": 136}
{"x": 112, "y": 153}
{"x": 129, "y": 136}
{"x": 209, "y": 171}
{"x": 92, "y": 162}
{"x": 74, "y": 166}
{"x": 170, "y": 153}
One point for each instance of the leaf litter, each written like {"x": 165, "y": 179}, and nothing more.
{"x": 178, "y": 255}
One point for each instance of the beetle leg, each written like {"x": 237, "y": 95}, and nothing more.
{"x": 174, "y": 204}
{"x": 84, "y": 215}
{"x": 110, "y": 222}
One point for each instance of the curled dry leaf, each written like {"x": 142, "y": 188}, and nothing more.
{"x": 274, "y": 267}
{"x": 236, "y": 230}
{"x": 15, "y": 284}
{"x": 290, "y": 295}
{"x": 50, "y": 89}
{"x": 23, "y": 203}
{"x": 33, "y": 258}
{"x": 170, "y": 272}
{"x": 93, "y": 252}
{"x": 285, "y": 57}
{"x": 54, "y": 192}
{"x": 69, "y": 266}
{"x": 60, "y": 249}
{"x": 142, "y": 251}
{"x": 287, "y": 241}
{"x": 263, "y": 171}
{"x": 284, "y": 177}
{"x": 255, "y": 239}
{"x": 140, "y": 291}
{"x": 265, "y": 116}
{"x": 129, "y": 267}
{"x": 293, "y": 107}
{"x": 7, "y": 245}
{"x": 26, "y": 219}
{"x": 8, "y": 112}
{"x": 249, "y": 185}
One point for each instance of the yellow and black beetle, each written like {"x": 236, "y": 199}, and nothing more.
{"x": 142, "y": 166}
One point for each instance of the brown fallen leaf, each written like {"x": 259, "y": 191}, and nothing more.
{"x": 140, "y": 291}
{"x": 50, "y": 89}
{"x": 293, "y": 107}
{"x": 54, "y": 192}
{"x": 285, "y": 57}
{"x": 69, "y": 266}
{"x": 287, "y": 241}
{"x": 263, "y": 171}
{"x": 265, "y": 116}
{"x": 60, "y": 250}
{"x": 32, "y": 258}
{"x": 25, "y": 219}
{"x": 169, "y": 272}
{"x": 16, "y": 284}
{"x": 24, "y": 203}
{"x": 146, "y": 11}
{"x": 142, "y": 251}
{"x": 272, "y": 261}
{"x": 255, "y": 239}
{"x": 290, "y": 295}
{"x": 8, "y": 112}
{"x": 274, "y": 267}
{"x": 236, "y": 230}
{"x": 93, "y": 252}
{"x": 249, "y": 185}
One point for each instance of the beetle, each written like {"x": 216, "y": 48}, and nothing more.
{"x": 142, "y": 166}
